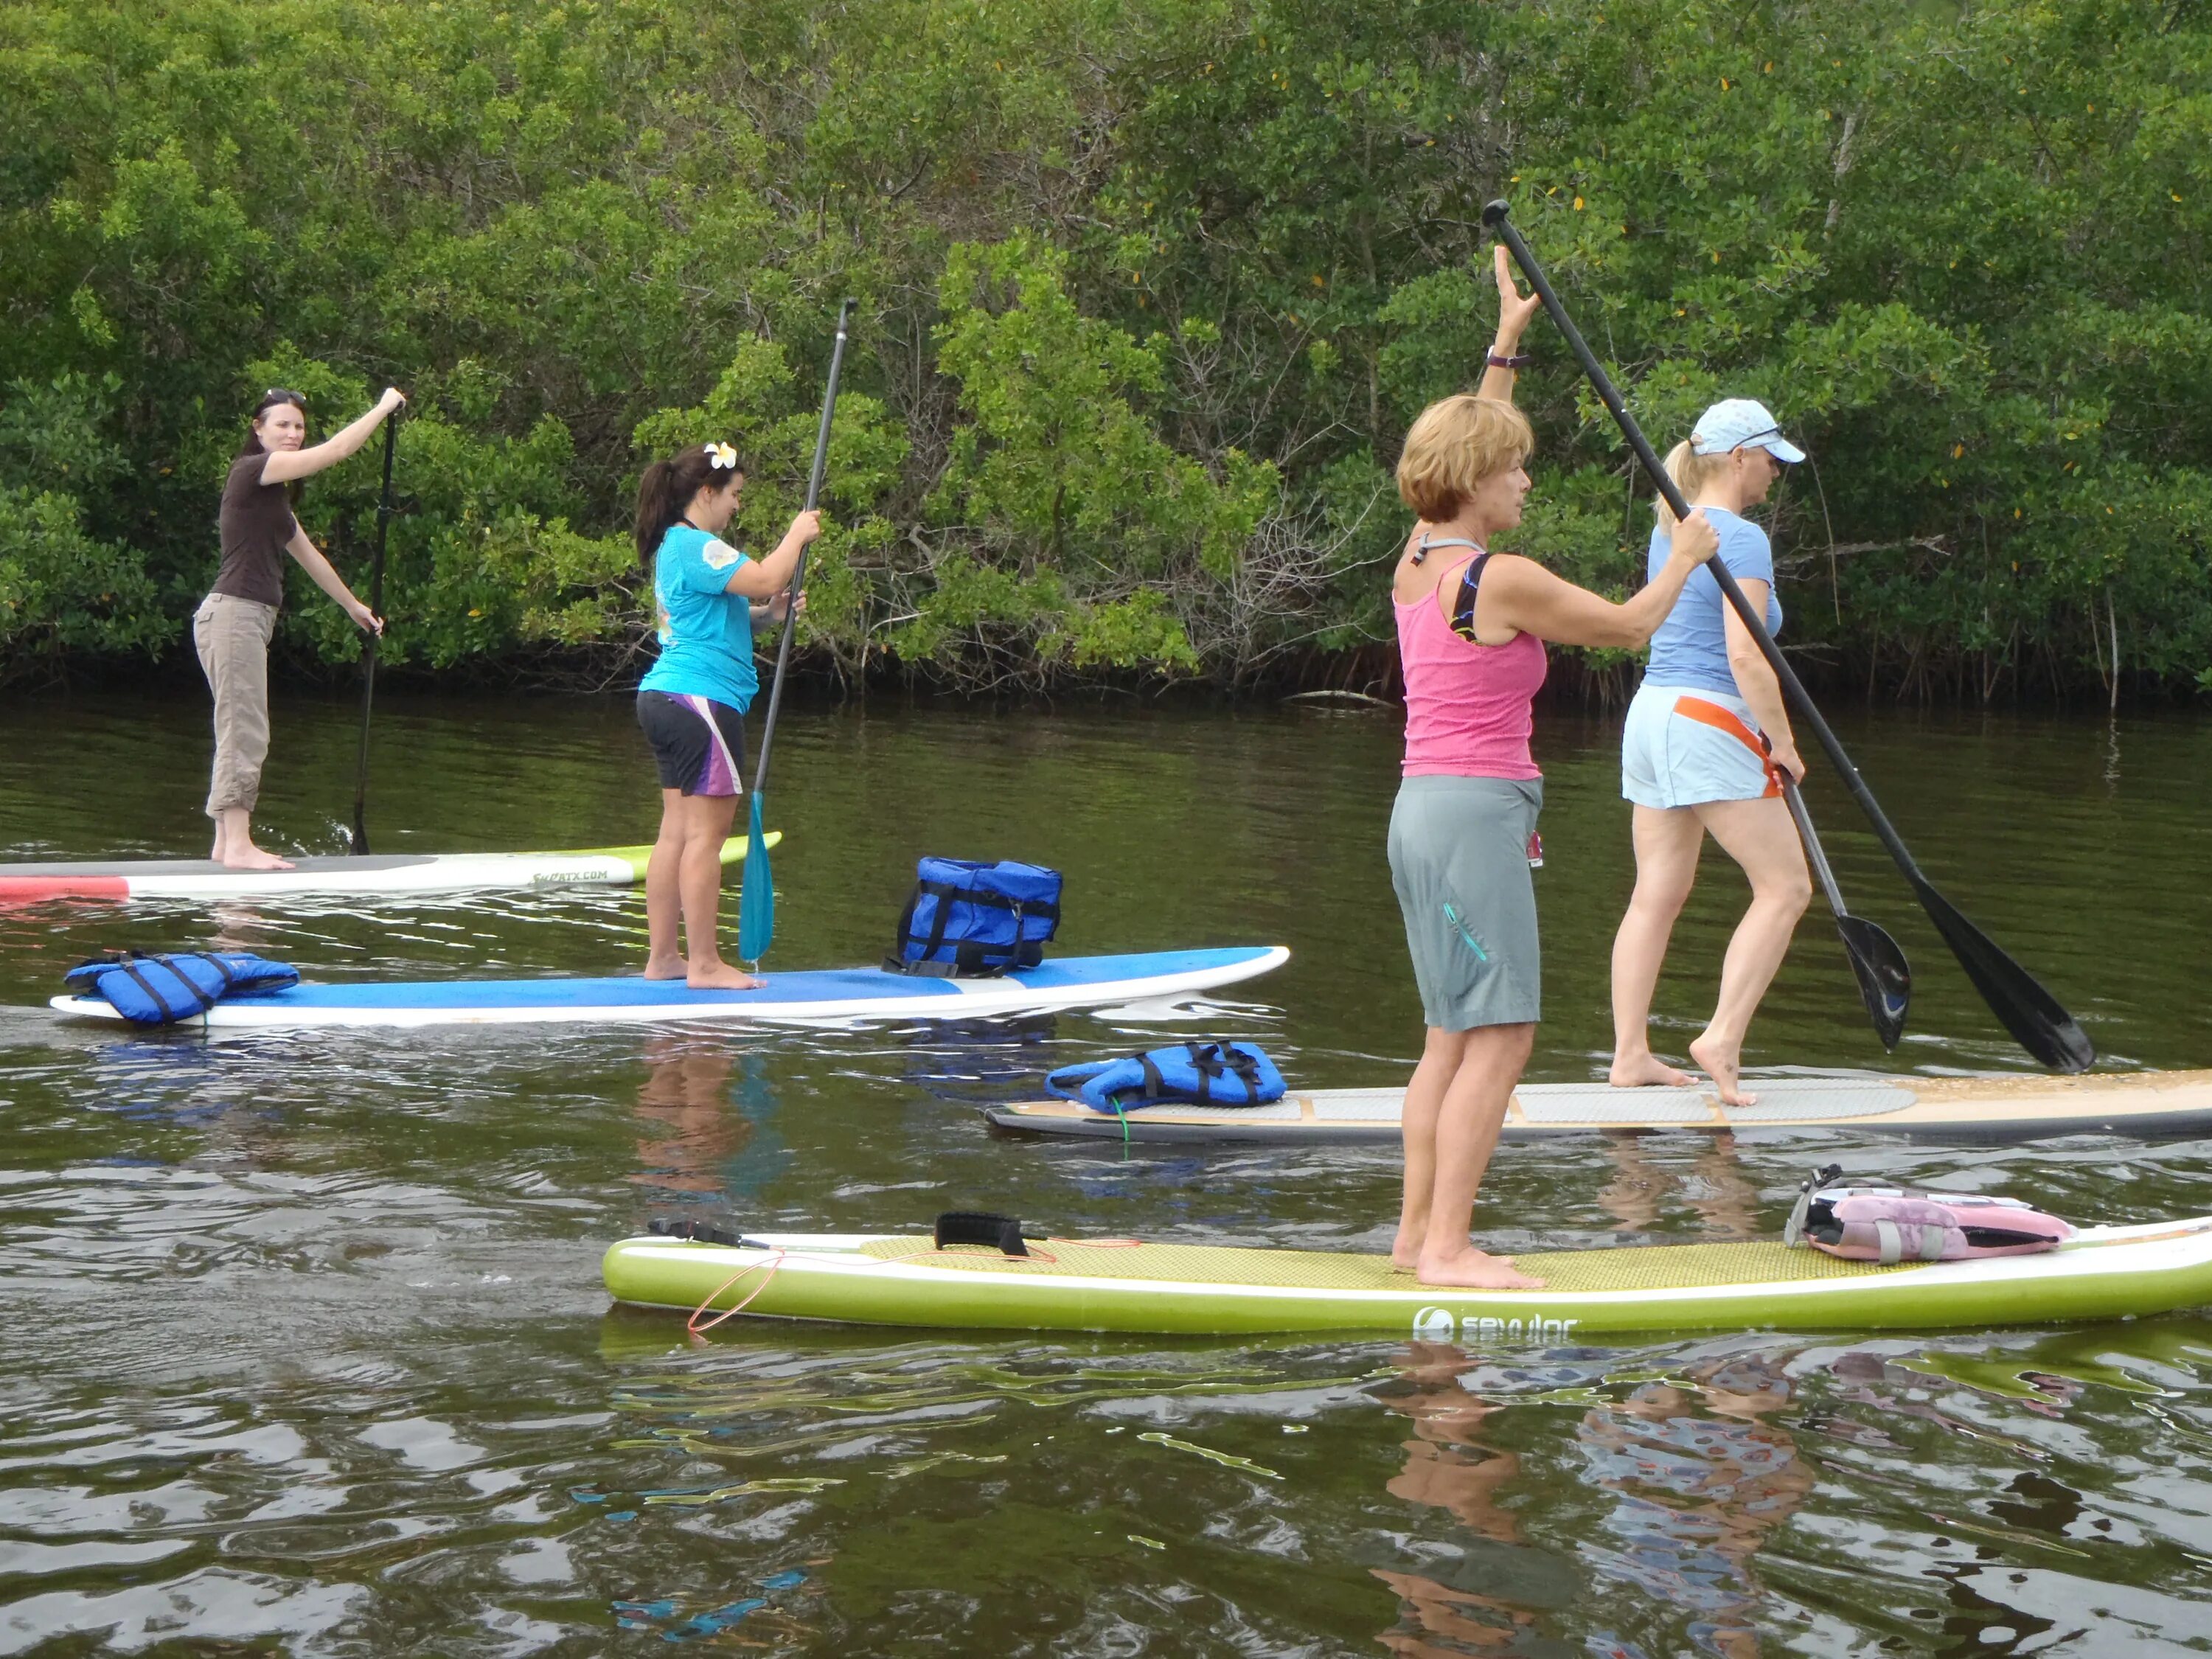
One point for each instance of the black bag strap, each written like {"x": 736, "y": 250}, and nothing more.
{"x": 980, "y": 1227}
{"x": 943, "y": 894}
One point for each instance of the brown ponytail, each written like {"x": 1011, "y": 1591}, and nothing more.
{"x": 668, "y": 486}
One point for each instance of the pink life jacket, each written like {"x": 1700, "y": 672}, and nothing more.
{"x": 1889, "y": 1224}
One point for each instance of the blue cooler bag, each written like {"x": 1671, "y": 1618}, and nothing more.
{"x": 970, "y": 920}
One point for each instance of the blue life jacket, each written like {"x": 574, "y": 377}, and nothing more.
{"x": 1206, "y": 1073}
{"x": 971, "y": 921}
{"x": 160, "y": 990}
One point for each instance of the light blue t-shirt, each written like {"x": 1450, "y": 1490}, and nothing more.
{"x": 1691, "y": 648}
{"x": 706, "y": 631}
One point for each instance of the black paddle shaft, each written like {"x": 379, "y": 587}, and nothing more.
{"x": 2031, "y": 1013}
{"x": 798, "y": 573}
{"x": 1885, "y": 978}
{"x": 1494, "y": 216}
{"x": 368, "y": 645}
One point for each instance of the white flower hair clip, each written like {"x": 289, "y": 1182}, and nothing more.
{"x": 721, "y": 456}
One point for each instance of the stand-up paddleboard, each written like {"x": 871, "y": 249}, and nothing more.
{"x": 2144, "y": 1103}
{"x": 382, "y": 877}
{"x": 825, "y": 995}
{"x": 1121, "y": 1285}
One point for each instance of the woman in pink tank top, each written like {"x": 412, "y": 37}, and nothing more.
{"x": 1471, "y": 630}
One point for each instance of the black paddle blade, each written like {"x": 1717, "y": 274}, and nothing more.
{"x": 1885, "y": 978}
{"x": 2036, "y": 1019}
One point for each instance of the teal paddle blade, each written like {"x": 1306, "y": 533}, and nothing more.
{"x": 756, "y": 898}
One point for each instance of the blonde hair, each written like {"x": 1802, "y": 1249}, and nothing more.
{"x": 1690, "y": 472}
{"x": 1453, "y": 446}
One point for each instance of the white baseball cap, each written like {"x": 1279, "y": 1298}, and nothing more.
{"x": 1743, "y": 423}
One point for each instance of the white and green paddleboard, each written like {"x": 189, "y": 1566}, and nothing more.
{"x": 379, "y": 876}
{"x": 2142, "y": 1104}
{"x": 1125, "y": 1284}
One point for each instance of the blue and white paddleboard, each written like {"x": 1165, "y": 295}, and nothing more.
{"x": 820, "y": 996}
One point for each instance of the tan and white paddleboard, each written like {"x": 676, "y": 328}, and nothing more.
{"x": 2144, "y": 1103}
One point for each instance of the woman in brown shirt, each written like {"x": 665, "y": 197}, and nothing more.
{"x": 231, "y": 628}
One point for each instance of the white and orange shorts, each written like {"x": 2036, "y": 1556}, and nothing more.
{"x": 1685, "y": 746}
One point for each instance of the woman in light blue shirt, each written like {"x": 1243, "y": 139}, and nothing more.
{"x": 692, "y": 702}
{"x": 1706, "y": 748}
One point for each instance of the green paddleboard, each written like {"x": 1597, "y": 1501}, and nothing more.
{"x": 1109, "y": 1284}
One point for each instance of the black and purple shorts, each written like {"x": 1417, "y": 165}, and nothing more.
{"x": 698, "y": 743}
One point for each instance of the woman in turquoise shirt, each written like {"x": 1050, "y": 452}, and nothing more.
{"x": 692, "y": 703}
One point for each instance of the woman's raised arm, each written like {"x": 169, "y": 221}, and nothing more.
{"x": 284, "y": 465}
{"x": 1513, "y": 314}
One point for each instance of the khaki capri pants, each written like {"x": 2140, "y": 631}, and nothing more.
{"x": 232, "y": 636}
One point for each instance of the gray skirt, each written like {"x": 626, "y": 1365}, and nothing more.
{"x": 1459, "y": 861}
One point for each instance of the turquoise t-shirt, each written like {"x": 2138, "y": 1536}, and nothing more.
{"x": 1691, "y": 648}
{"x": 706, "y": 631}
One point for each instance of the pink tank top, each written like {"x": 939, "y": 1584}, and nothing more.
{"x": 1467, "y": 706}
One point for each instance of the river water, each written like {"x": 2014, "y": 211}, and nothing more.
{"x": 308, "y": 1351}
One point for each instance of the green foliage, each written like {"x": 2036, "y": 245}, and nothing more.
{"x": 1151, "y": 290}
{"x": 62, "y": 588}
{"x": 1086, "y": 517}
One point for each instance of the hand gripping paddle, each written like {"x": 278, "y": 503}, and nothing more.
{"x": 2031, "y": 1014}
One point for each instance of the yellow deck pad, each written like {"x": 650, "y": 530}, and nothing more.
{"x": 1636, "y": 1268}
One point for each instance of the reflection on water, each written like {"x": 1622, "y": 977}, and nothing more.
{"x": 1715, "y": 1188}
{"x": 1699, "y": 1479}
{"x": 311, "y": 1353}
{"x": 707, "y": 1112}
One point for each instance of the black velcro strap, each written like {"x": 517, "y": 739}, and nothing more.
{"x": 897, "y": 964}
{"x": 2001, "y": 1238}
{"x": 980, "y": 1227}
{"x": 662, "y": 1227}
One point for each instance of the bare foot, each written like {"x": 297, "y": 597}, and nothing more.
{"x": 1722, "y": 1062}
{"x": 1406, "y": 1249}
{"x": 720, "y": 976}
{"x": 1646, "y": 1071}
{"x": 1473, "y": 1270}
{"x": 252, "y": 858}
{"x": 667, "y": 968}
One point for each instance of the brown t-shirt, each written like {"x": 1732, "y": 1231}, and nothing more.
{"x": 257, "y": 524}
